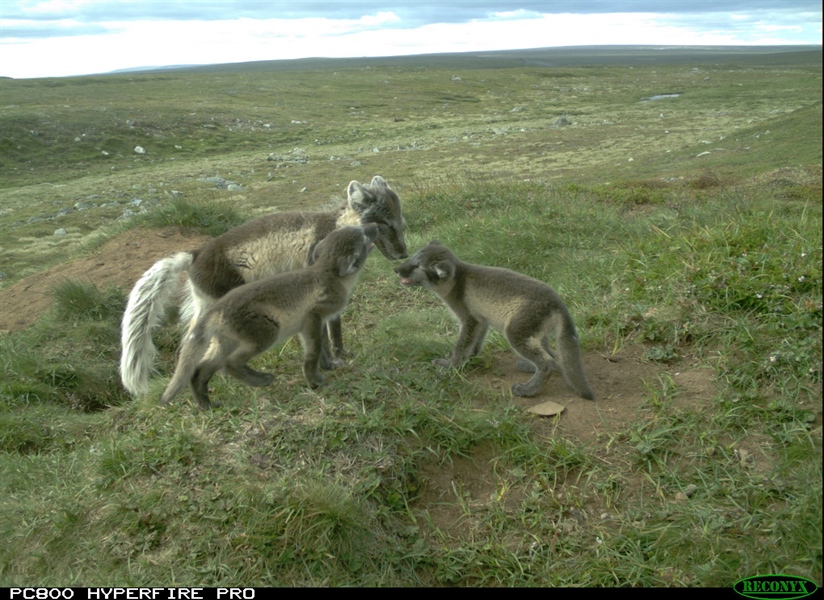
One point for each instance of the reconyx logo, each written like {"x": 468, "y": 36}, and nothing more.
{"x": 781, "y": 587}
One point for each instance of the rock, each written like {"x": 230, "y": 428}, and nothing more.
{"x": 139, "y": 150}
{"x": 61, "y": 232}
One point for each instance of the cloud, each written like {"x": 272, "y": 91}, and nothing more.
{"x": 66, "y": 37}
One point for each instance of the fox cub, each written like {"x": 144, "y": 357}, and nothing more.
{"x": 524, "y": 309}
{"x": 252, "y": 318}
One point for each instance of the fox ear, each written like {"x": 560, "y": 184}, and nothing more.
{"x": 444, "y": 270}
{"x": 378, "y": 181}
{"x": 347, "y": 264}
{"x": 359, "y": 197}
{"x": 313, "y": 255}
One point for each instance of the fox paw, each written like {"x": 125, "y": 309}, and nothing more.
{"x": 524, "y": 390}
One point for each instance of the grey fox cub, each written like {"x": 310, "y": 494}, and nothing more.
{"x": 524, "y": 309}
{"x": 252, "y": 318}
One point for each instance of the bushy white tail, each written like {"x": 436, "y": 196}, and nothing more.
{"x": 144, "y": 313}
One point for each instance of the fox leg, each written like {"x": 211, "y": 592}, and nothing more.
{"x": 542, "y": 360}
{"x": 200, "y": 384}
{"x": 470, "y": 341}
{"x": 312, "y": 339}
{"x": 525, "y": 366}
{"x": 331, "y": 352}
{"x": 190, "y": 354}
{"x": 336, "y": 337}
{"x": 237, "y": 366}
{"x": 213, "y": 361}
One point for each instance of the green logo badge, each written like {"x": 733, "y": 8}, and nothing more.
{"x": 778, "y": 587}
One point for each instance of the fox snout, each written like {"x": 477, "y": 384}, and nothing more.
{"x": 396, "y": 251}
{"x": 406, "y": 271}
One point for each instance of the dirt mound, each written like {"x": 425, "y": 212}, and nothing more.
{"x": 119, "y": 262}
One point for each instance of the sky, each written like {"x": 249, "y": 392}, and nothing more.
{"x": 57, "y": 38}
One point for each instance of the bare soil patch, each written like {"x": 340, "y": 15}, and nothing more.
{"x": 119, "y": 262}
{"x": 451, "y": 493}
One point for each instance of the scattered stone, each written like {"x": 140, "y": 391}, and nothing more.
{"x": 660, "y": 97}
{"x": 687, "y": 493}
{"x": 744, "y": 457}
{"x": 560, "y": 122}
{"x": 139, "y": 150}
{"x": 60, "y": 232}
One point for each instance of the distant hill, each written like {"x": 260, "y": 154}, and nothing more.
{"x": 539, "y": 57}
{"x": 163, "y": 68}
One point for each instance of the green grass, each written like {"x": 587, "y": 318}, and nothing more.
{"x": 395, "y": 473}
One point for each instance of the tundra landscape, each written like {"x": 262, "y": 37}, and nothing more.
{"x": 672, "y": 197}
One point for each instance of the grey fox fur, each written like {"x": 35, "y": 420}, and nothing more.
{"x": 524, "y": 309}
{"x": 252, "y": 318}
{"x": 271, "y": 244}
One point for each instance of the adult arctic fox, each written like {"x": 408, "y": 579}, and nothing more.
{"x": 252, "y": 318}
{"x": 262, "y": 247}
{"x": 524, "y": 309}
